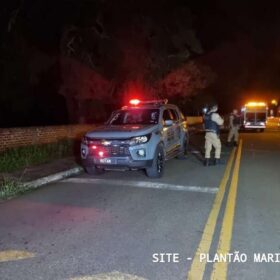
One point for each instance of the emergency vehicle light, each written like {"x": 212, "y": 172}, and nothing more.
{"x": 134, "y": 102}
{"x": 255, "y": 104}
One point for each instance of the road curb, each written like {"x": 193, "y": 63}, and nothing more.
{"x": 53, "y": 178}
{"x": 26, "y": 186}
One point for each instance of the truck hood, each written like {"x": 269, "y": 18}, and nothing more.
{"x": 120, "y": 131}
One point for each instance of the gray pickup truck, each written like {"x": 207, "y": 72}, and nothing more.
{"x": 142, "y": 135}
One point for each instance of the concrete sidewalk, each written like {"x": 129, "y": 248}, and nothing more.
{"x": 32, "y": 173}
{"x": 38, "y": 175}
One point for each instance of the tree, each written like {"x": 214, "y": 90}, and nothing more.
{"x": 114, "y": 50}
{"x": 186, "y": 81}
{"x": 81, "y": 85}
{"x": 131, "y": 49}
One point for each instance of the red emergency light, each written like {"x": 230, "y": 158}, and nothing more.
{"x": 134, "y": 102}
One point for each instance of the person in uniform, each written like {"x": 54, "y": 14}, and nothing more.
{"x": 234, "y": 126}
{"x": 212, "y": 123}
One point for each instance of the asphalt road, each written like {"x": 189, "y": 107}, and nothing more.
{"x": 110, "y": 227}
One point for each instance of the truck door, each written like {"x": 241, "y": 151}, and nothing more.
{"x": 168, "y": 131}
{"x": 176, "y": 128}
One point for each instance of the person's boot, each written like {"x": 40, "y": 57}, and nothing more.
{"x": 218, "y": 161}
{"x": 206, "y": 162}
{"x": 228, "y": 144}
{"x": 235, "y": 144}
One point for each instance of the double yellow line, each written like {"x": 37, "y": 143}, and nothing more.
{"x": 219, "y": 272}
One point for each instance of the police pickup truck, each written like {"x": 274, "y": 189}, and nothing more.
{"x": 142, "y": 135}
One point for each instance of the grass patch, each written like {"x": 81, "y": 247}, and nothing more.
{"x": 21, "y": 157}
{"x": 10, "y": 188}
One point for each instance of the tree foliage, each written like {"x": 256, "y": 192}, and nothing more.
{"x": 133, "y": 47}
{"x": 187, "y": 80}
{"x": 95, "y": 53}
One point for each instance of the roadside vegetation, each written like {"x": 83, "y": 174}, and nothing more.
{"x": 21, "y": 157}
{"x": 10, "y": 188}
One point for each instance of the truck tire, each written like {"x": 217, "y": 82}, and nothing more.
{"x": 157, "y": 168}
{"x": 93, "y": 170}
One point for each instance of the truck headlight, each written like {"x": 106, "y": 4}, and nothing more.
{"x": 139, "y": 140}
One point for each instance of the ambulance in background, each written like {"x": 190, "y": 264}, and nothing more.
{"x": 255, "y": 115}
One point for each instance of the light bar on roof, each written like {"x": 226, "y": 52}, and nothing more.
{"x": 134, "y": 102}
{"x": 255, "y": 104}
{"x": 156, "y": 102}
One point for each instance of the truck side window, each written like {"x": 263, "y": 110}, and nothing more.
{"x": 174, "y": 114}
{"x": 166, "y": 115}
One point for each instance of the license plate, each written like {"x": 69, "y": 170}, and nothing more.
{"x": 105, "y": 160}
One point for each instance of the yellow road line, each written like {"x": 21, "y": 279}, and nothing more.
{"x": 220, "y": 268}
{"x": 198, "y": 267}
{"x": 13, "y": 255}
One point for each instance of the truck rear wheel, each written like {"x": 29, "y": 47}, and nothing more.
{"x": 157, "y": 168}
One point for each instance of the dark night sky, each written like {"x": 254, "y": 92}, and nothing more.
{"x": 242, "y": 43}
{"x": 218, "y": 24}
{"x": 241, "y": 40}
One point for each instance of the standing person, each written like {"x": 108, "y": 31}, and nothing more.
{"x": 234, "y": 126}
{"x": 212, "y": 123}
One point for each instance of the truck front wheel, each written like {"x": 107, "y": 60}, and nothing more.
{"x": 157, "y": 168}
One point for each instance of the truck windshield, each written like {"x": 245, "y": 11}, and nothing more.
{"x": 250, "y": 117}
{"x": 257, "y": 116}
{"x": 135, "y": 116}
{"x": 260, "y": 117}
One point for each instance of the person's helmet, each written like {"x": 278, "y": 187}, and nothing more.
{"x": 214, "y": 107}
